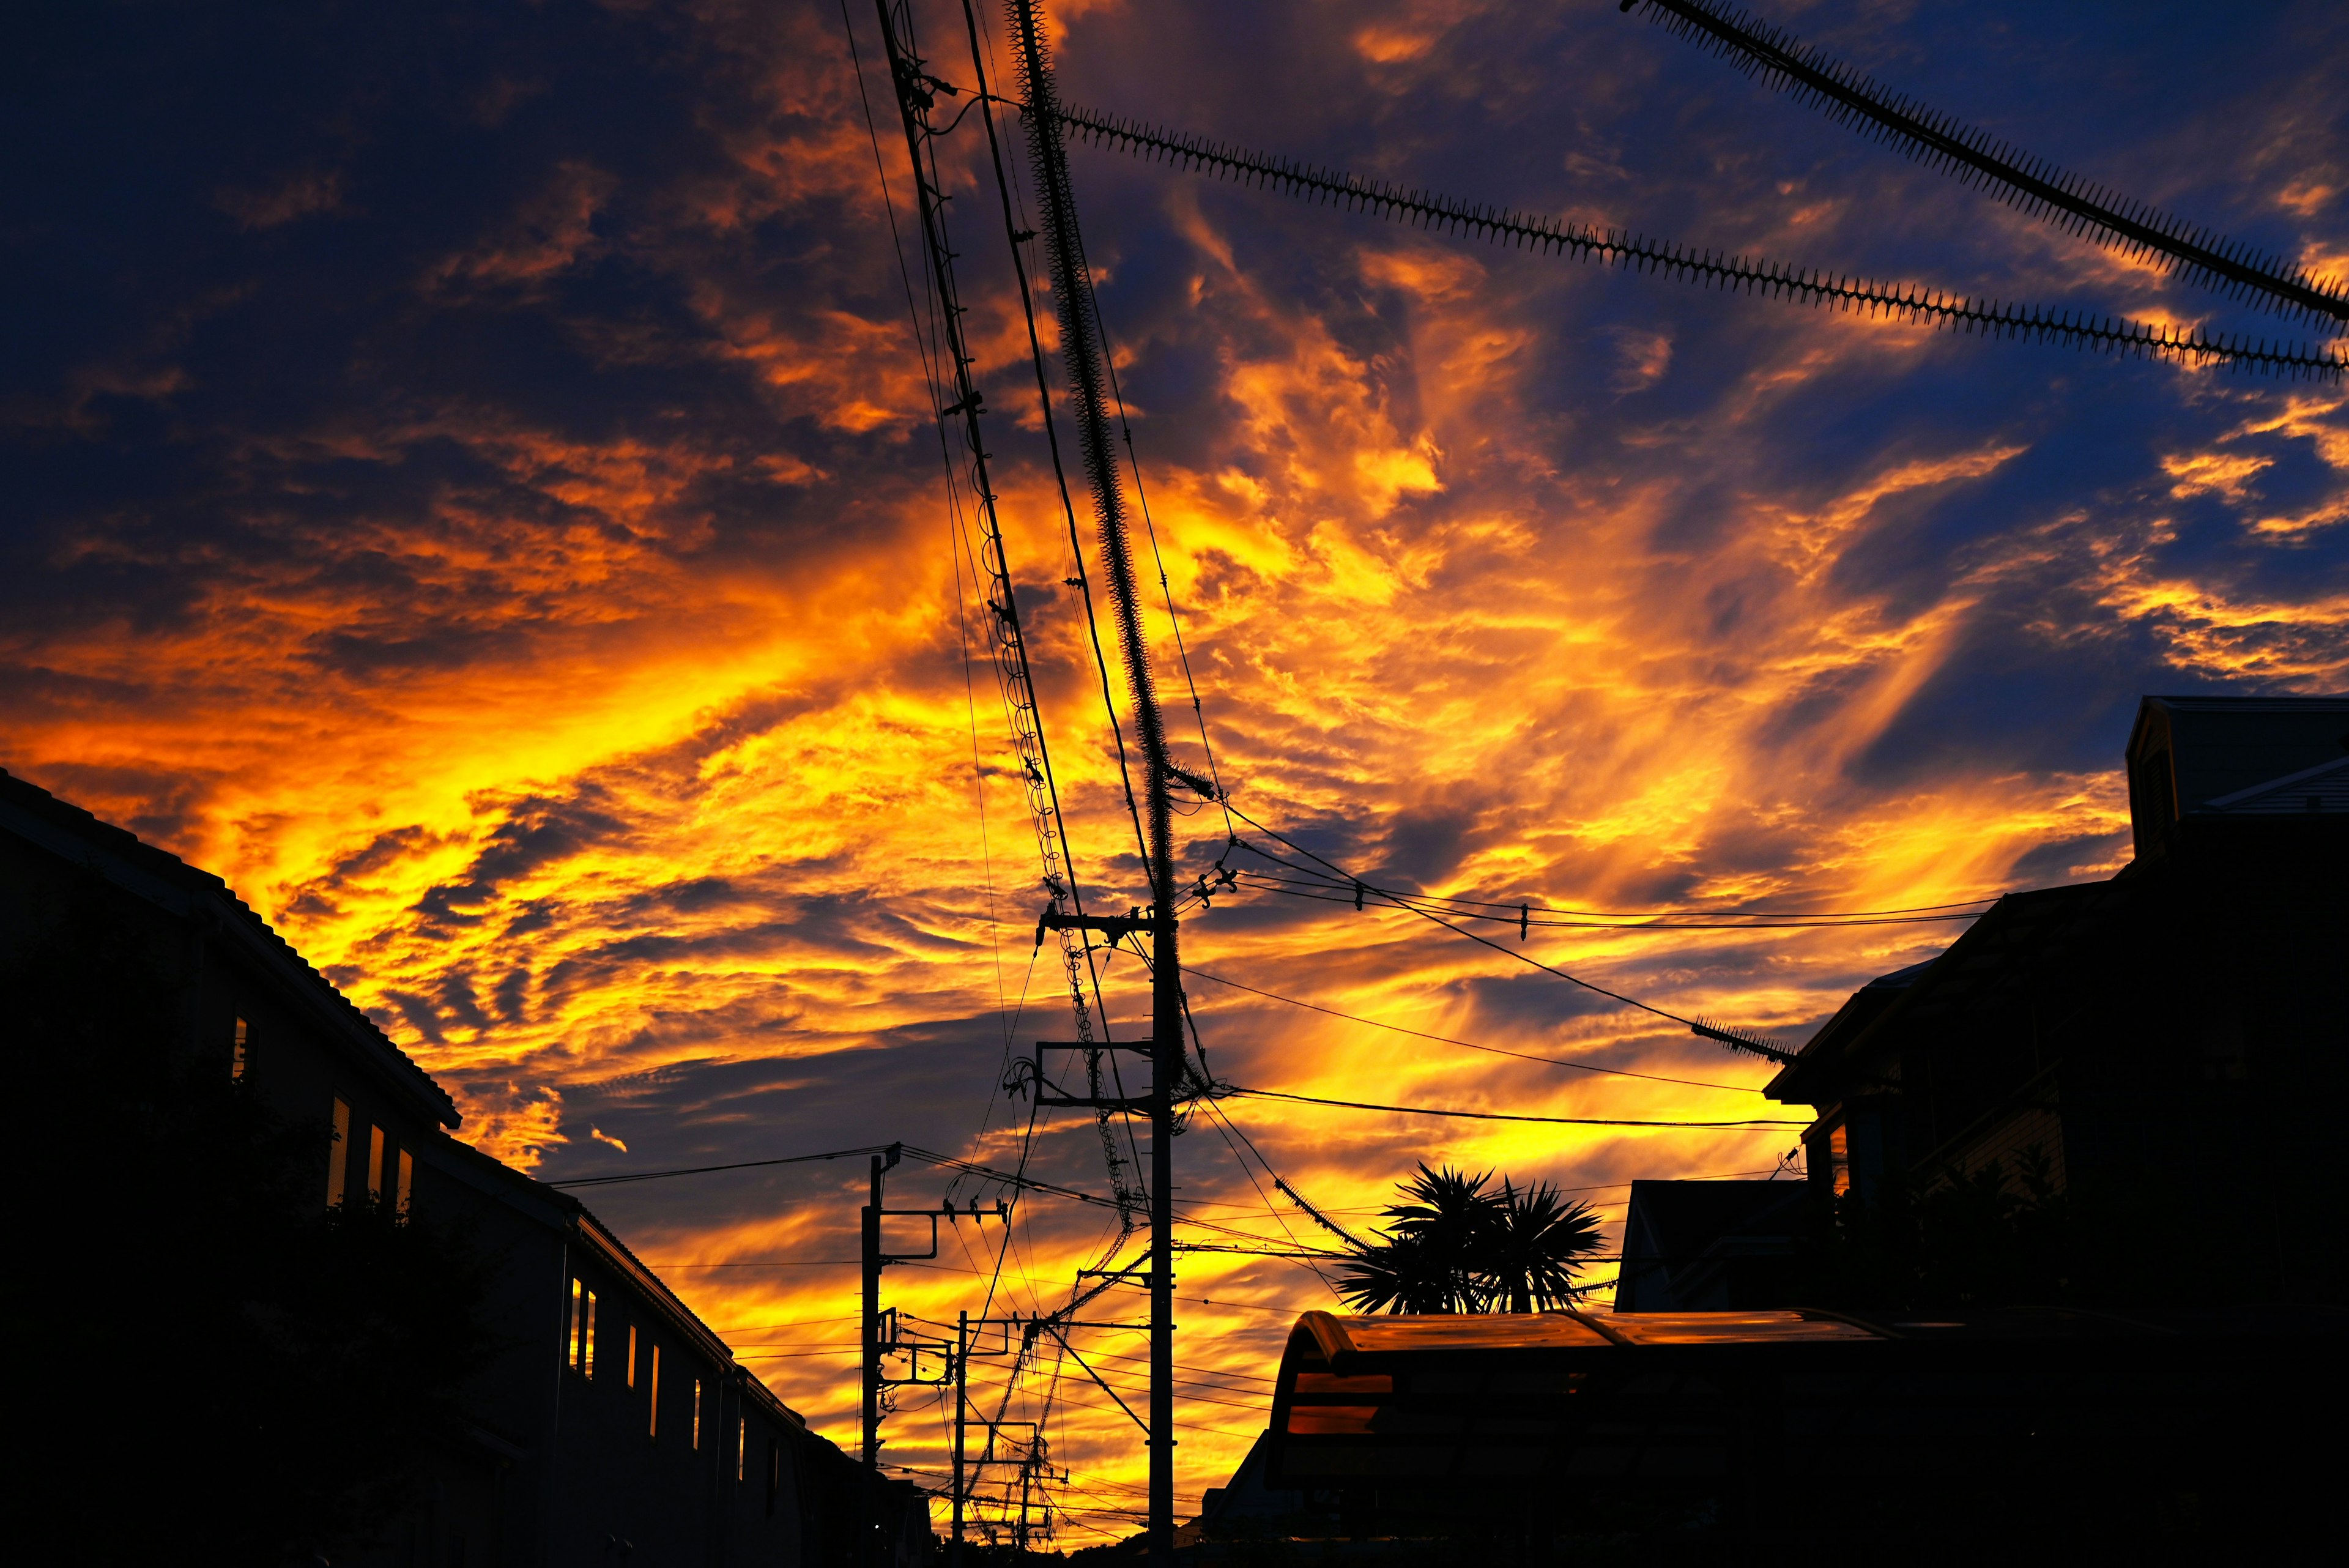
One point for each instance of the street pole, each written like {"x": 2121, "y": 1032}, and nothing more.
{"x": 1167, "y": 1072}
{"x": 962, "y": 1415}
{"x": 871, "y": 1260}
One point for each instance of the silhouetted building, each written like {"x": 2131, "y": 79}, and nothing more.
{"x": 1245, "y": 1507}
{"x": 1710, "y": 1246}
{"x": 612, "y": 1424}
{"x": 1766, "y": 1436}
{"x": 2164, "y": 1050}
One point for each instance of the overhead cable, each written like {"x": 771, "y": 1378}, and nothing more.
{"x": 1469, "y": 1044}
{"x": 1731, "y": 913}
{"x": 1521, "y": 915}
{"x": 2033, "y": 186}
{"x": 1737, "y": 1039}
{"x": 1715, "y": 269}
{"x": 1506, "y": 1116}
{"x": 1076, "y": 947}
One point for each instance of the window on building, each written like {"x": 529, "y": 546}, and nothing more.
{"x": 629, "y": 1371}
{"x": 375, "y": 1165}
{"x": 579, "y": 1334}
{"x": 338, "y": 1154}
{"x": 742, "y": 1448}
{"x": 407, "y": 1179}
{"x": 696, "y": 1414}
{"x": 1839, "y": 1160}
{"x": 238, "y": 1059}
{"x": 652, "y": 1380}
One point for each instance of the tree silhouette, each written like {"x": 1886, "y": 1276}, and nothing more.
{"x": 1457, "y": 1246}
{"x": 1534, "y": 1243}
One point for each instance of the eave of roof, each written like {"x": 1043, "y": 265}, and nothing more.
{"x": 162, "y": 878}
{"x": 1356, "y": 1343}
{"x": 1962, "y": 963}
{"x": 2317, "y": 704}
{"x": 559, "y": 1211}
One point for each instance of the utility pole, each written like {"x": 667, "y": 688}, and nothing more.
{"x": 871, "y": 1262}
{"x": 1072, "y": 295}
{"x": 872, "y": 1259}
{"x": 962, "y": 1420}
{"x": 1080, "y": 350}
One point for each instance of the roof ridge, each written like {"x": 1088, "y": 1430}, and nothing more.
{"x": 2286, "y": 700}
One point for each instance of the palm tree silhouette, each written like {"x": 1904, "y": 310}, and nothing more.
{"x": 1533, "y": 1244}
{"x": 1456, "y": 1246}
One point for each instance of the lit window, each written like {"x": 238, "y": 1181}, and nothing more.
{"x": 407, "y": 1178}
{"x": 696, "y": 1414}
{"x": 375, "y": 1165}
{"x": 1839, "y": 1160}
{"x": 629, "y": 1371}
{"x": 338, "y": 1154}
{"x": 742, "y": 1448}
{"x": 579, "y": 1333}
{"x": 244, "y": 1039}
{"x": 652, "y": 1421}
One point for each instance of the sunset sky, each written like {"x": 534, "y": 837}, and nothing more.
{"x": 472, "y": 485}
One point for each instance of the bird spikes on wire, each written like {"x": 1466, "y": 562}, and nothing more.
{"x": 2032, "y": 185}
{"x": 1717, "y": 269}
{"x": 1742, "y": 1039}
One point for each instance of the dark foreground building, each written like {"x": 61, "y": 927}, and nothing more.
{"x": 1717, "y": 1436}
{"x": 2162, "y": 1055}
{"x": 608, "y": 1424}
{"x": 1711, "y": 1246}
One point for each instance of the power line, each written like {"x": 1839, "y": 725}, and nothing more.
{"x": 1665, "y": 921}
{"x": 1012, "y": 232}
{"x": 2032, "y": 185}
{"x": 730, "y": 1165}
{"x": 1731, "y": 1037}
{"x": 1468, "y": 1044}
{"x": 1503, "y": 1116}
{"x": 1716, "y": 269}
